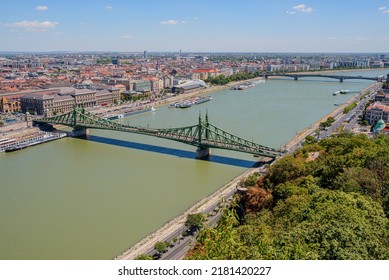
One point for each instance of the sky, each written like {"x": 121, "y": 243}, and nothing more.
{"x": 195, "y": 26}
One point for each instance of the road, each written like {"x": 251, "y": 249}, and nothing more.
{"x": 351, "y": 118}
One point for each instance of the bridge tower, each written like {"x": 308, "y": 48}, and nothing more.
{"x": 77, "y": 130}
{"x": 203, "y": 152}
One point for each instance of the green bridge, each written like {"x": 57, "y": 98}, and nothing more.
{"x": 202, "y": 135}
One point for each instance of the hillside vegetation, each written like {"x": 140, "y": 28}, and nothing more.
{"x": 333, "y": 207}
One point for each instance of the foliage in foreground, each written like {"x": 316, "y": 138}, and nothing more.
{"x": 335, "y": 207}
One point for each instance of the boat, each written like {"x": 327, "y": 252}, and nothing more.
{"x": 336, "y": 92}
{"x": 139, "y": 111}
{"x": 344, "y": 91}
{"x": 186, "y": 104}
{"x": 202, "y": 100}
{"x": 34, "y": 141}
{"x": 153, "y": 109}
{"x": 190, "y": 102}
{"x": 7, "y": 142}
{"x": 110, "y": 117}
{"x": 174, "y": 105}
{"x": 243, "y": 86}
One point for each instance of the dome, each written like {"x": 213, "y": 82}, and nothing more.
{"x": 379, "y": 126}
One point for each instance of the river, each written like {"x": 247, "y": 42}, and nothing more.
{"x": 93, "y": 199}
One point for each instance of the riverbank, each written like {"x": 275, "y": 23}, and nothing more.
{"x": 176, "y": 225}
{"x": 301, "y": 135}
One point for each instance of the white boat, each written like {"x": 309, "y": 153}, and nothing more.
{"x": 153, "y": 109}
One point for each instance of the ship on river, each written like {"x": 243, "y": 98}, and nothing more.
{"x": 190, "y": 102}
{"x": 14, "y": 145}
{"x": 243, "y": 86}
{"x": 342, "y": 91}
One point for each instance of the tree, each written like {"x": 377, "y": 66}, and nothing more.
{"x": 287, "y": 168}
{"x": 161, "y": 246}
{"x": 195, "y": 222}
{"x": 1, "y": 123}
{"x": 144, "y": 257}
{"x": 310, "y": 139}
{"x": 250, "y": 180}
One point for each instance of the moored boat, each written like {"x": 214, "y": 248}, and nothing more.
{"x": 34, "y": 141}
{"x": 190, "y": 102}
{"x": 243, "y": 86}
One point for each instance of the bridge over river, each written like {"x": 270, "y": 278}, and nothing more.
{"x": 203, "y": 135}
{"x": 341, "y": 78}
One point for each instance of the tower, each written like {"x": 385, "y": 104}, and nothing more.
{"x": 28, "y": 120}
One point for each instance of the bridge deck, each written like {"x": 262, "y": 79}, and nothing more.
{"x": 202, "y": 135}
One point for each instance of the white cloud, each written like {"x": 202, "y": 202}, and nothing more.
{"x": 302, "y": 8}
{"x": 109, "y": 7}
{"x": 42, "y": 8}
{"x": 169, "y": 22}
{"x": 125, "y": 37}
{"x": 33, "y": 26}
{"x": 384, "y": 10}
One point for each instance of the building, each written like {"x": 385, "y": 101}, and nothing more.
{"x": 206, "y": 73}
{"x": 376, "y": 112}
{"x": 142, "y": 85}
{"x": 379, "y": 127}
{"x": 189, "y": 86}
{"x": 9, "y": 105}
{"x": 66, "y": 98}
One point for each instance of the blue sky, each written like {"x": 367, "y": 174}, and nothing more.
{"x": 201, "y": 25}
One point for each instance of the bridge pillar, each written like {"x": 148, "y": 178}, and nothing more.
{"x": 341, "y": 80}
{"x": 203, "y": 153}
{"x": 295, "y": 78}
{"x": 78, "y": 132}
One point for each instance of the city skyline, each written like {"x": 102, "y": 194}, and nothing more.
{"x": 195, "y": 26}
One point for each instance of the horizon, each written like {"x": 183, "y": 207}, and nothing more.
{"x": 192, "y": 52}
{"x": 41, "y": 26}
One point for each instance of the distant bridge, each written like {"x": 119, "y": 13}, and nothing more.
{"x": 202, "y": 135}
{"x": 341, "y": 78}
